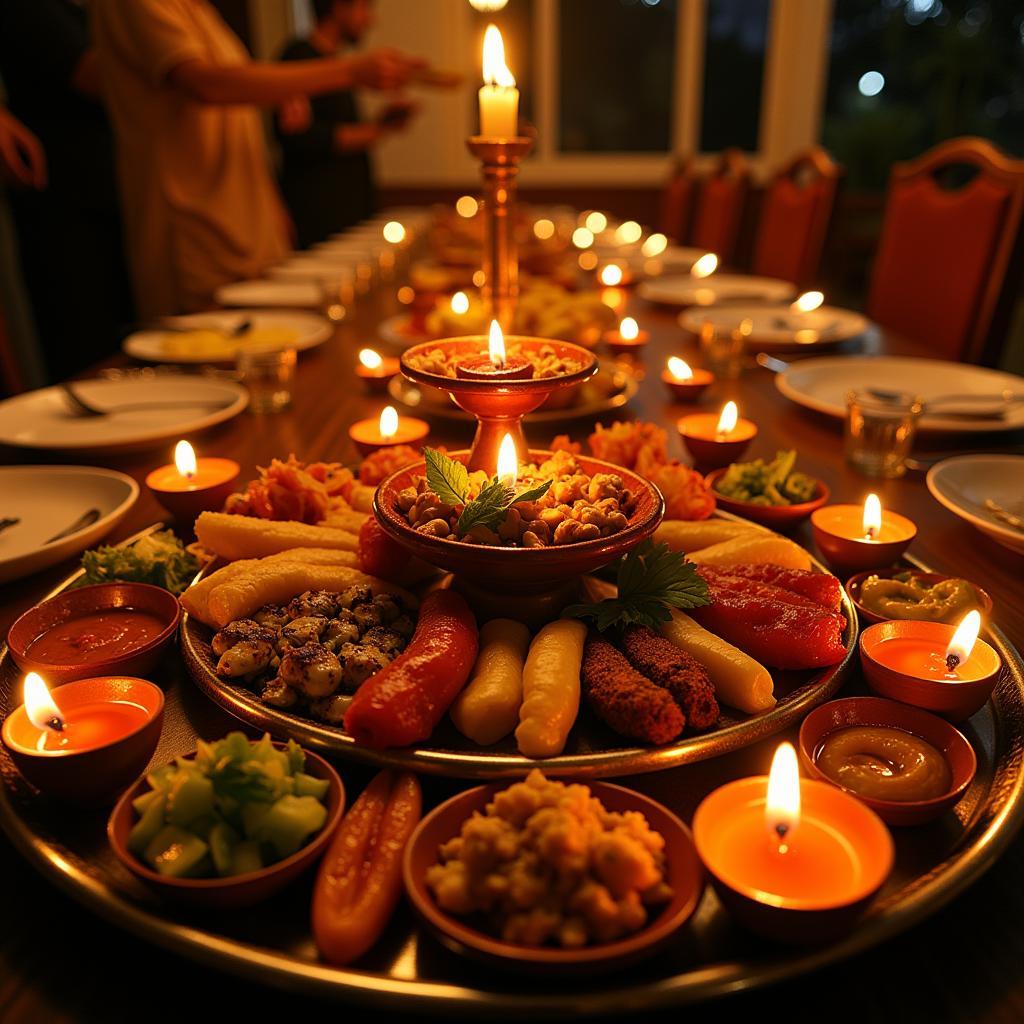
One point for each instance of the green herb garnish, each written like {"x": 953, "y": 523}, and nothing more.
{"x": 158, "y": 558}
{"x": 652, "y": 579}
{"x": 447, "y": 478}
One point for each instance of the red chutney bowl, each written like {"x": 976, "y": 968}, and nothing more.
{"x": 95, "y": 775}
{"x": 98, "y": 598}
{"x": 876, "y": 711}
{"x": 237, "y": 890}
{"x": 775, "y": 517}
{"x": 683, "y": 873}
{"x": 956, "y": 700}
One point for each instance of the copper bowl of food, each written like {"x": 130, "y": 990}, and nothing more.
{"x": 855, "y": 584}
{"x": 775, "y": 517}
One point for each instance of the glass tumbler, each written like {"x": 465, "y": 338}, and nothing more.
{"x": 722, "y": 348}
{"x": 268, "y": 374}
{"x": 880, "y": 431}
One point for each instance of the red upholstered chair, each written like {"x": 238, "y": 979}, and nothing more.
{"x": 944, "y": 254}
{"x": 720, "y": 200}
{"x": 794, "y": 217}
{"x": 677, "y": 200}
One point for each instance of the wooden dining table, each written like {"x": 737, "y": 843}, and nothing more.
{"x": 60, "y": 963}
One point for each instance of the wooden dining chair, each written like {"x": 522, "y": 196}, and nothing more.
{"x": 946, "y": 253}
{"x": 677, "y": 200}
{"x": 795, "y": 213}
{"x": 721, "y": 197}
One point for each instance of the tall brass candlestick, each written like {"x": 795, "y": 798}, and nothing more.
{"x": 500, "y": 161}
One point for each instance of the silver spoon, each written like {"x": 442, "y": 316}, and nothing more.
{"x": 84, "y": 520}
{"x": 83, "y": 408}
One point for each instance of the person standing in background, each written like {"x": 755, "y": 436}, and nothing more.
{"x": 67, "y": 222}
{"x": 200, "y": 205}
{"x": 326, "y": 166}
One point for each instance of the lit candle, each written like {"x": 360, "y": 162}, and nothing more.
{"x": 460, "y": 303}
{"x": 715, "y": 441}
{"x": 727, "y": 421}
{"x": 496, "y": 365}
{"x": 394, "y": 232}
{"x": 856, "y": 538}
{"x": 628, "y": 233}
{"x": 685, "y": 383}
{"x": 375, "y": 370}
{"x": 595, "y": 222}
{"x": 508, "y": 462}
{"x": 627, "y": 338}
{"x": 807, "y": 303}
{"x": 611, "y": 275}
{"x": 544, "y": 228}
{"x": 705, "y": 266}
{"x": 583, "y": 238}
{"x": 499, "y": 97}
{"x": 793, "y": 858}
{"x": 654, "y": 245}
{"x": 388, "y": 431}
{"x": 192, "y": 485}
{"x": 467, "y": 206}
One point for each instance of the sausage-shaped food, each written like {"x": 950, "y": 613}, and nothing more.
{"x": 551, "y": 688}
{"x": 360, "y": 878}
{"x": 488, "y": 708}
{"x": 403, "y": 702}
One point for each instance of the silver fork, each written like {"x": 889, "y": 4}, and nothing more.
{"x": 83, "y": 408}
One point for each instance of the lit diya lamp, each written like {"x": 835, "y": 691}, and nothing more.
{"x": 388, "y": 431}
{"x": 459, "y": 304}
{"x": 705, "y": 266}
{"x": 496, "y": 365}
{"x": 793, "y": 859}
{"x": 931, "y": 665}
{"x": 715, "y": 441}
{"x": 376, "y": 370}
{"x": 628, "y": 338}
{"x": 855, "y": 539}
{"x": 394, "y": 232}
{"x": 88, "y": 741}
{"x": 803, "y": 304}
{"x": 685, "y": 383}
{"x": 192, "y": 485}
{"x": 614, "y": 275}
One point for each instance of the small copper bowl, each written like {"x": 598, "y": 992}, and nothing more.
{"x": 708, "y": 452}
{"x": 855, "y": 711}
{"x": 188, "y": 503}
{"x": 847, "y": 555}
{"x": 96, "y": 775}
{"x": 688, "y": 390}
{"x": 775, "y": 517}
{"x": 854, "y": 584}
{"x": 956, "y": 701}
{"x": 99, "y": 597}
{"x": 683, "y": 871}
{"x": 237, "y": 890}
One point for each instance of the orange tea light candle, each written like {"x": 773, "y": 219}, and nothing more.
{"x": 715, "y": 441}
{"x": 375, "y": 370}
{"x": 794, "y": 859}
{"x": 856, "y": 538}
{"x": 388, "y": 431}
{"x": 628, "y": 339}
{"x": 685, "y": 383}
{"x": 496, "y": 365}
{"x": 192, "y": 485}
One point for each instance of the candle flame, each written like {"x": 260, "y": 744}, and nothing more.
{"x": 185, "y": 459}
{"x": 466, "y": 206}
{"x": 42, "y": 712}
{"x": 679, "y": 368}
{"x": 654, "y": 245}
{"x": 460, "y": 303}
{"x": 611, "y": 274}
{"x": 583, "y": 238}
{"x": 807, "y": 302}
{"x": 370, "y": 359}
{"x": 628, "y": 232}
{"x": 479, "y": 278}
{"x": 596, "y": 222}
{"x": 728, "y": 420}
{"x": 543, "y": 228}
{"x": 872, "y": 519}
{"x": 964, "y": 637}
{"x": 508, "y": 461}
{"x": 394, "y": 232}
{"x": 496, "y": 344}
{"x": 629, "y": 329}
{"x": 705, "y": 266}
{"x": 496, "y": 72}
{"x": 782, "y": 804}
{"x": 389, "y": 422}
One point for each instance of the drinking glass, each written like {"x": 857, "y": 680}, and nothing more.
{"x": 338, "y": 292}
{"x": 268, "y": 374}
{"x": 722, "y": 348}
{"x": 880, "y": 431}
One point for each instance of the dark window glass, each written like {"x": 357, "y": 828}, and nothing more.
{"x": 907, "y": 74}
{"x": 616, "y": 69}
{"x": 737, "y": 33}
{"x": 515, "y": 21}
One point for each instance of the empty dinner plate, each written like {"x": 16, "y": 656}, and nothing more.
{"x": 822, "y": 384}
{"x": 141, "y": 413}
{"x": 964, "y": 483}
{"x": 776, "y": 329}
{"x": 207, "y": 337}
{"x": 685, "y": 290}
{"x": 300, "y": 294}
{"x": 46, "y": 501}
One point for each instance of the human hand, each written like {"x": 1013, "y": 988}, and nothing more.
{"x": 384, "y": 69}
{"x": 22, "y": 158}
{"x": 294, "y": 116}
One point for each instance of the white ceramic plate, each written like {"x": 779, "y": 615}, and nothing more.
{"x": 49, "y": 499}
{"x": 963, "y": 483}
{"x": 44, "y": 418}
{"x": 684, "y": 290}
{"x": 676, "y": 259}
{"x": 776, "y": 329}
{"x": 310, "y": 330}
{"x": 294, "y": 294}
{"x": 822, "y": 384}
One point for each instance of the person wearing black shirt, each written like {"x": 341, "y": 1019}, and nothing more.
{"x": 326, "y": 167}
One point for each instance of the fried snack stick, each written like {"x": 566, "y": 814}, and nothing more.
{"x": 233, "y": 537}
{"x": 678, "y": 672}
{"x": 625, "y": 700}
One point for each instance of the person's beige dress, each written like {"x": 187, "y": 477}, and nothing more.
{"x": 200, "y": 205}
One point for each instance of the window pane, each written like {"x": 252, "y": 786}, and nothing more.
{"x": 616, "y": 68}
{"x": 907, "y": 74}
{"x": 515, "y": 21}
{"x": 737, "y": 31}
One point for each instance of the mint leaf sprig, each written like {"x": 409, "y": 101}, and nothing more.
{"x": 652, "y": 579}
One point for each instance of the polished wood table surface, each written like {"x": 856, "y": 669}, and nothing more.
{"x": 59, "y": 963}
